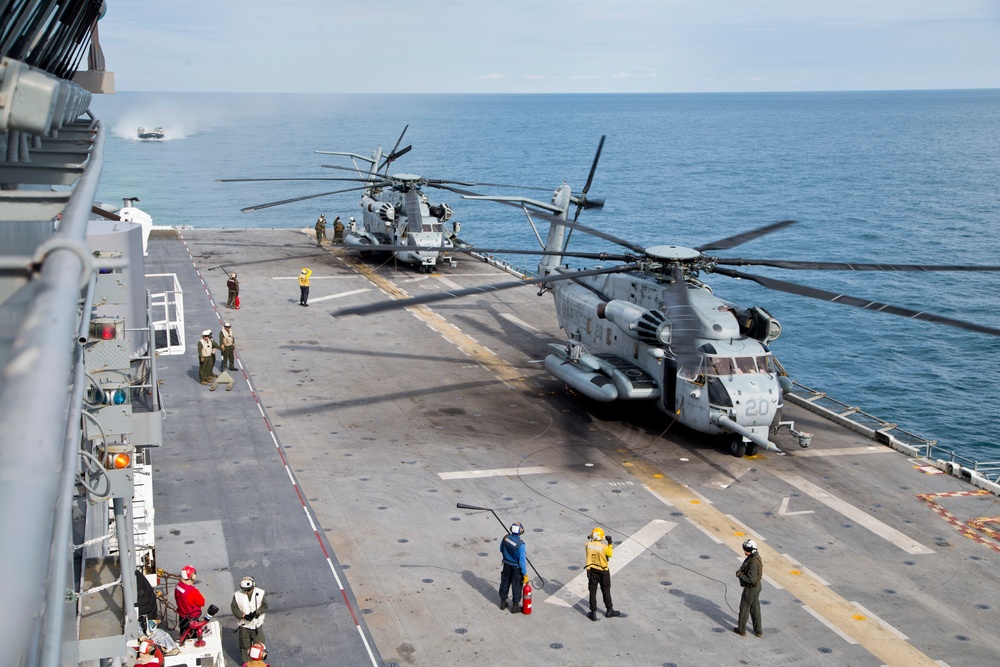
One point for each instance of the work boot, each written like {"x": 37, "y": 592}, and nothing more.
{"x": 741, "y": 633}
{"x": 612, "y": 613}
{"x": 503, "y": 603}
{"x": 592, "y": 615}
{"x": 515, "y": 608}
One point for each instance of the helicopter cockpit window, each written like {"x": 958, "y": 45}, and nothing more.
{"x": 746, "y": 365}
{"x": 431, "y": 227}
{"x": 719, "y": 366}
{"x": 765, "y": 365}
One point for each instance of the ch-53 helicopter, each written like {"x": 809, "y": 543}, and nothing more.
{"x": 396, "y": 216}
{"x": 649, "y": 330}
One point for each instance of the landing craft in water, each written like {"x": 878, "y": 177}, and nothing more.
{"x": 150, "y": 135}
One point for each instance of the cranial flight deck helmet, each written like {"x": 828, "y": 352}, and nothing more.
{"x": 257, "y": 652}
{"x": 597, "y": 534}
{"x": 247, "y": 583}
{"x": 749, "y": 546}
{"x": 516, "y": 528}
{"x": 188, "y": 572}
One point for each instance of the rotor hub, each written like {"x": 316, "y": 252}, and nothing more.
{"x": 672, "y": 253}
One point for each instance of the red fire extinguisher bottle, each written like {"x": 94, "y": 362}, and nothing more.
{"x": 526, "y": 598}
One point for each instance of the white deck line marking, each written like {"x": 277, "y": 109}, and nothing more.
{"x": 783, "y": 510}
{"x": 883, "y": 530}
{"x": 624, "y": 553}
{"x": 800, "y": 566}
{"x": 309, "y": 516}
{"x": 846, "y": 451}
{"x": 505, "y": 472}
{"x": 659, "y": 497}
{"x": 703, "y": 529}
{"x": 840, "y": 633}
{"x": 773, "y": 583}
{"x": 880, "y": 621}
{"x": 448, "y": 282}
{"x": 340, "y": 295}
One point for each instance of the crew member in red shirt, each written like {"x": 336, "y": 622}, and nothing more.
{"x": 189, "y": 599}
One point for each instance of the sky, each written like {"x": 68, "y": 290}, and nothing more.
{"x": 550, "y": 46}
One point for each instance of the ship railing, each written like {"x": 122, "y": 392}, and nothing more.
{"x": 984, "y": 474}
{"x": 167, "y": 308}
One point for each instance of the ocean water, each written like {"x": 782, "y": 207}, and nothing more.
{"x": 902, "y": 177}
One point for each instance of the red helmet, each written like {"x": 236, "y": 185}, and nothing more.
{"x": 146, "y": 647}
{"x": 188, "y": 572}
{"x": 257, "y": 652}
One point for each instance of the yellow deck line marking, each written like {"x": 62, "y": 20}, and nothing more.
{"x": 822, "y": 602}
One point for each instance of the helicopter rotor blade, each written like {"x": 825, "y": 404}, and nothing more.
{"x": 481, "y": 289}
{"x": 833, "y": 297}
{"x": 740, "y": 239}
{"x": 295, "y": 199}
{"x": 684, "y": 323}
{"x": 262, "y": 180}
{"x": 390, "y": 157}
{"x": 849, "y": 266}
{"x": 601, "y": 256}
{"x": 437, "y": 182}
{"x": 590, "y": 179}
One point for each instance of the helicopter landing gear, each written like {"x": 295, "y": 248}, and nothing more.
{"x": 737, "y": 447}
{"x": 752, "y": 448}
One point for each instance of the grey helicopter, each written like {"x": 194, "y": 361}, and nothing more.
{"x": 649, "y": 330}
{"x": 396, "y": 215}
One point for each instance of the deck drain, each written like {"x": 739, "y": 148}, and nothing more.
{"x": 508, "y": 498}
{"x": 848, "y": 525}
{"x": 704, "y": 557}
{"x": 717, "y": 630}
{"x": 961, "y": 638}
{"x": 366, "y": 611}
{"x": 345, "y": 567}
{"x": 616, "y": 490}
{"x": 821, "y": 548}
{"x": 538, "y": 530}
{"x": 574, "y": 567}
{"x": 432, "y": 490}
{"x": 555, "y": 645}
{"x": 982, "y": 606}
{"x": 483, "y": 553}
{"x": 974, "y": 558}
{"x": 677, "y": 514}
{"x": 582, "y": 509}
{"x": 402, "y": 540}
{"x": 188, "y": 541}
{"x": 666, "y": 583}
{"x": 942, "y": 543}
{"x": 382, "y": 507}
{"x": 889, "y": 591}
{"x": 460, "y": 631}
{"x": 823, "y": 649}
{"x": 670, "y": 664}
{"x": 765, "y": 602}
{"x": 909, "y": 562}
{"x": 455, "y": 518}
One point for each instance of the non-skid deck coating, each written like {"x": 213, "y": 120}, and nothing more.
{"x": 332, "y": 471}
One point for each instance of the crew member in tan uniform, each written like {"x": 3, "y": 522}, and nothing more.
{"x": 228, "y": 342}
{"x": 206, "y": 357}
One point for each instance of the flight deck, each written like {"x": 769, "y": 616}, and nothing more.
{"x": 332, "y": 470}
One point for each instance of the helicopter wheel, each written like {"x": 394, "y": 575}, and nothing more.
{"x": 737, "y": 447}
{"x": 752, "y": 449}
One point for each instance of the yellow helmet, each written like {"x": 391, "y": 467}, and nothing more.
{"x": 597, "y": 534}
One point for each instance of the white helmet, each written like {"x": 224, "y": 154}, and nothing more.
{"x": 206, "y": 332}
{"x": 516, "y": 528}
{"x": 749, "y": 546}
{"x": 257, "y": 651}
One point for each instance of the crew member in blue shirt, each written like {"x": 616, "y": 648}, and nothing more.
{"x": 515, "y": 567}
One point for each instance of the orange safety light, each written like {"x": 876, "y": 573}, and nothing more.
{"x": 118, "y": 460}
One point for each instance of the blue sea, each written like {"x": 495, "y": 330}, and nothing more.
{"x": 902, "y": 177}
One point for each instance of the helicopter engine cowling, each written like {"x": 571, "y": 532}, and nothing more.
{"x": 384, "y": 210}
{"x": 442, "y": 212}
{"x": 646, "y": 326}
{"x": 759, "y": 324}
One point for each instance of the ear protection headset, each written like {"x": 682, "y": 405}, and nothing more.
{"x": 516, "y": 528}
{"x": 257, "y": 652}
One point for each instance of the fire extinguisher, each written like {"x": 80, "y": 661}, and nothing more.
{"x": 526, "y": 598}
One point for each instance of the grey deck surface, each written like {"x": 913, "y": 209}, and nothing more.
{"x": 388, "y": 421}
